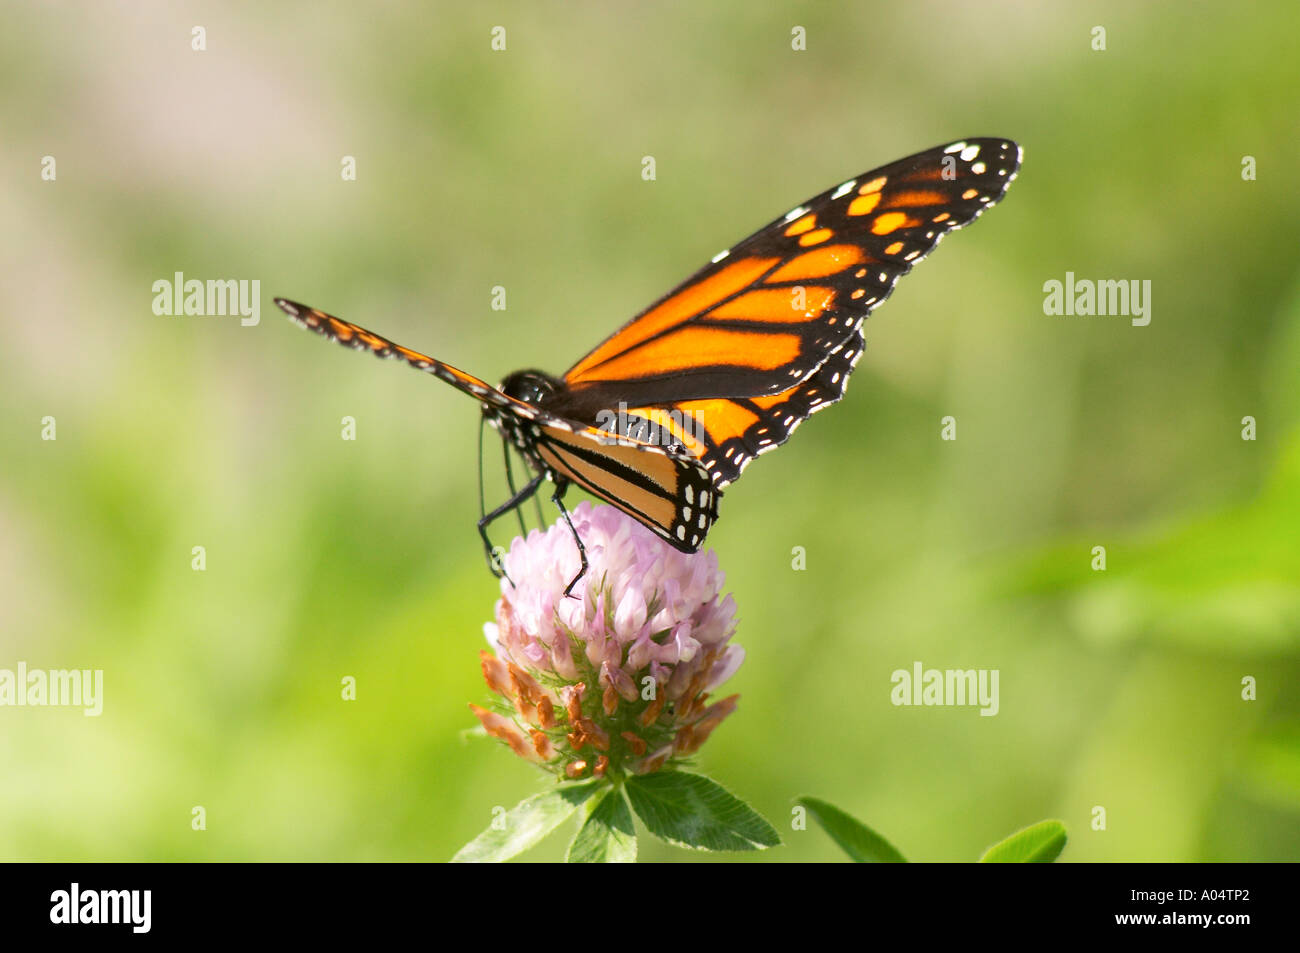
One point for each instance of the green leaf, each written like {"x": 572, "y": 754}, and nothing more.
{"x": 525, "y": 824}
{"x": 860, "y": 842}
{"x": 1040, "y": 844}
{"x": 607, "y": 836}
{"x": 690, "y": 810}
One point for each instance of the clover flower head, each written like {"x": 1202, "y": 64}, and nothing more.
{"x": 615, "y": 678}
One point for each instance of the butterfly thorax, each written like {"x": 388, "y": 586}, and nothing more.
{"x": 532, "y": 387}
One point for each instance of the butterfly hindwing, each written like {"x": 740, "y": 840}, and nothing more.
{"x": 673, "y": 497}
{"x": 726, "y": 433}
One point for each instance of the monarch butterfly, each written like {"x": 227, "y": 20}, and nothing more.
{"x": 673, "y": 406}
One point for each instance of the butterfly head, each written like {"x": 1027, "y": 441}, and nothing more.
{"x": 532, "y": 387}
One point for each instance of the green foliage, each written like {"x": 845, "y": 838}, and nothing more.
{"x": 1040, "y": 844}
{"x": 607, "y": 835}
{"x": 860, "y": 842}
{"x": 527, "y": 823}
{"x": 683, "y": 809}
{"x": 689, "y": 810}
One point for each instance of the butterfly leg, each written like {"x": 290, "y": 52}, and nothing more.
{"x": 513, "y": 503}
{"x": 510, "y": 482}
{"x": 558, "y": 499}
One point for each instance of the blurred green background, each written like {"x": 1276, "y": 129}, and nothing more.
{"x": 328, "y": 558}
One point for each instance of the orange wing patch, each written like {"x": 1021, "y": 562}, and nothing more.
{"x": 802, "y": 225}
{"x": 816, "y": 238}
{"x": 864, "y": 204}
{"x": 767, "y": 403}
{"x": 776, "y": 305}
{"x": 674, "y": 310}
{"x": 693, "y": 347}
{"x": 891, "y": 222}
{"x": 913, "y": 199}
{"x": 818, "y": 264}
{"x": 719, "y": 418}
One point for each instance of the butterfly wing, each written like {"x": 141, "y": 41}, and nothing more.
{"x": 358, "y": 338}
{"x": 730, "y": 362}
{"x": 673, "y": 497}
{"x": 726, "y": 433}
{"x": 765, "y": 314}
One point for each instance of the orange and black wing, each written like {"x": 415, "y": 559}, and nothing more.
{"x": 358, "y": 338}
{"x": 726, "y": 433}
{"x": 741, "y": 346}
{"x": 673, "y": 497}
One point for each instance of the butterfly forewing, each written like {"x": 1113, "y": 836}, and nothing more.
{"x": 358, "y": 338}
{"x": 765, "y": 314}
{"x": 768, "y": 333}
